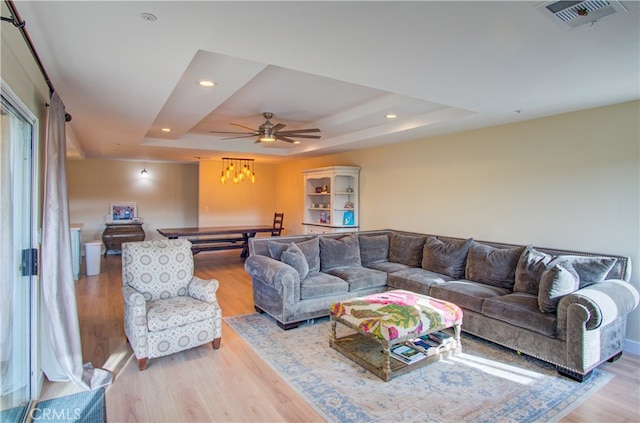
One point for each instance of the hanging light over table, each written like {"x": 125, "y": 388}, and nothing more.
{"x": 237, "y": 170}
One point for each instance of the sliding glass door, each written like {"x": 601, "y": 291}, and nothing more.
{"x": 18, "y": 263}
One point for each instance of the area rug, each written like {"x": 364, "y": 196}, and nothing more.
{"x": 484, "y": 383}
{"x": 84, "y": 407}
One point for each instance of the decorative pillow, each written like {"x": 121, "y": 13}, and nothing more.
{"x": 406, "y": 249}
{"x": 531, "y": 266}
{"x": 589, "y": 269}
{"x": 294, "y": 257}
{"x": 492, "y": 266}
{"x": 448, "y": 258}
{"x": 342, "y": 252}
{"x": 556, "y": 282}
{"x": 373, "y": 248}
{"x": 310, "y": 248}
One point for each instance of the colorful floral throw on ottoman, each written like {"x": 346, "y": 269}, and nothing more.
{"x": 396, "y": 314}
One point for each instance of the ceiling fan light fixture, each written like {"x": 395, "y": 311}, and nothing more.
{"x": 267, "y": 138}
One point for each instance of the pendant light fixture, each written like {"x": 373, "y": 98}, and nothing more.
{"x": 237, "y": 170}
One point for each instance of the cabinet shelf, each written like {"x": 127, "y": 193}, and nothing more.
{"x": 342, "y": 183}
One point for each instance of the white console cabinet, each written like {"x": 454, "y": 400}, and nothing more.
{"x": 331, "y": 199}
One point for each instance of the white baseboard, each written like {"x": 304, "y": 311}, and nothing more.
{"x": 632, "y": 347}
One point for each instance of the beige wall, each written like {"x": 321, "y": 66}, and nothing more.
{"x": 229, "y": 204}
{"x": 167, "y": 197}
{"x": 570, "y": 181}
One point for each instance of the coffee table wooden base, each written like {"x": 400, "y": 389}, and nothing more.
{"x": 373, "y": 354}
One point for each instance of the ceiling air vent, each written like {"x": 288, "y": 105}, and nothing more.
{"x": 572, "y": 14}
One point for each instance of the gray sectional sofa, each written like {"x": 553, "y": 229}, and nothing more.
{"x": 565, "y": 307}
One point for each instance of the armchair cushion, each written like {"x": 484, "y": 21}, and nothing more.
{"x": 589, "y": 269}
{"x": 529, "y": 270}
{"x": 310, "y": 248}
{"x": 294, "y": 257}
{"x": 556, "y": 282}
{"x": 406, "y": 249}
{"x": 158, "y": 269}
{"x": 374, "y": 248}
{"x": 177, "y": 311}
{"x": 492, "y": 266}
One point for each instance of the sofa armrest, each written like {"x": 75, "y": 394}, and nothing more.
{"x": 203, "y": 290}
{"x": 604, "y": 302}
{"x": 278, "y": 275}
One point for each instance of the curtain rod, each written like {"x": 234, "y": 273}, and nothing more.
{"x": 19, "y": 23}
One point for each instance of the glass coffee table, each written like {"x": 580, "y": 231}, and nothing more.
{"x": 376, "y": 323}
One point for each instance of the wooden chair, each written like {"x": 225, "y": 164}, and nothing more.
{"x": 278, "y": 219}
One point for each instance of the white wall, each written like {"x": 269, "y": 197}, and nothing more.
{"x": 167, "y": 197}
{"x": 570, "y": 181}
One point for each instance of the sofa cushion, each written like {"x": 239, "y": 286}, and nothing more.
{"x": 406, "y": 249}
{"x": 466, "y": 294}
{"x": 556, "y": 282}
{"x": 359, "y": 277}
{"x": 446, "y": 257}
{"x": 294, "y": 257}
{"x": 310, "y": 248}
{"x": 387, "y": 266}
{"x": 374, "y": 248}
{"x": 416, "y": 279}
{"x": 521, "y": 309}
{"x": 318, "y": 284}
{"x": 589, "y": 269}
{"x": 492, "y": 266}
{"x": 341, "y": 252}
{"x": 529, "y": 270}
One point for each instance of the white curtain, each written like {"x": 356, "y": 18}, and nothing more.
{"x": 58, "y": 285}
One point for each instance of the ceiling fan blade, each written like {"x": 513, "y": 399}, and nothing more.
{"x": 315, "y": 137}
{"x": 278, "y": 127}
{"x": 245, "y": 127}
{"x": 242, "y": 136}
{"x": 289, "y": 140}
{"x": 223, "y": 132}
{"x": 299, "y": 131}
{"x": 257, "y": 141}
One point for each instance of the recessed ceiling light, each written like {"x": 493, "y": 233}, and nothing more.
{"x": 391, "y": 116}
{"x": 296, "y": 142}
{"x": 166, "y": 129}
{"x": 206, "y": 83}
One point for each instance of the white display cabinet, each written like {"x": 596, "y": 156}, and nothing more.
{"x": 331, "y": 199}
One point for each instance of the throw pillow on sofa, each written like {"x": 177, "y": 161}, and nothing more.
{"x": 310, "y": 248}
{"x": 492, "y": 266}
{"x": 294, "y": 257}
{"x": 446, "y": 257}
{"x": 589, "y": 269}
{"x": 556, "y": 282}
{"x": 373, "y": 248}
{"x": 341, "y": 252}
{"x": 531, "y": 265}
{"x": 406, "y": 249}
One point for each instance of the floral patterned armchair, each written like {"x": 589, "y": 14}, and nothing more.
{"x": 166, "y": 308}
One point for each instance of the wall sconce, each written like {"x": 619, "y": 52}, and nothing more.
{"x": 237, "y": 170}
{"x": 144, "y": 172}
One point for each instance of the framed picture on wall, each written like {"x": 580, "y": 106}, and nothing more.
{"x": 123, "y": 212}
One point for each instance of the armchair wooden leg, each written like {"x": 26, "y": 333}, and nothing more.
{"x": 216, "y": 343}
{"x": 142, "y": 363}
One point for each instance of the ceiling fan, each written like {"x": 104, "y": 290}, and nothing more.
{"x": 268, "y": 132}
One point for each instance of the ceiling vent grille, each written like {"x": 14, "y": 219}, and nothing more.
{"x": 572, "y": 14}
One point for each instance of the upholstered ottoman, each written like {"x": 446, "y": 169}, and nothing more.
{"x": 388, "y": 319}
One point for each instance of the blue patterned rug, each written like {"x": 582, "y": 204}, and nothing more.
{"x": 84, "y": 407}
{"x": 484, "y": 383}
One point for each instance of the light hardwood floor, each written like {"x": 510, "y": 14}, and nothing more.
{"x": 233, "y": 384}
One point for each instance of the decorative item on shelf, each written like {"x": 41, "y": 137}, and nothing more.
{"x": 348, "y": 205}
{"x": 325, "y": 189}
{"x": 237, "y": 170}
{"x": 349, "y": 190}
{"x": 325, "y": 206}
{"x": 348, "y": 218}
{"x": 324, "y": 217}
{"x": 318, "y": 190}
